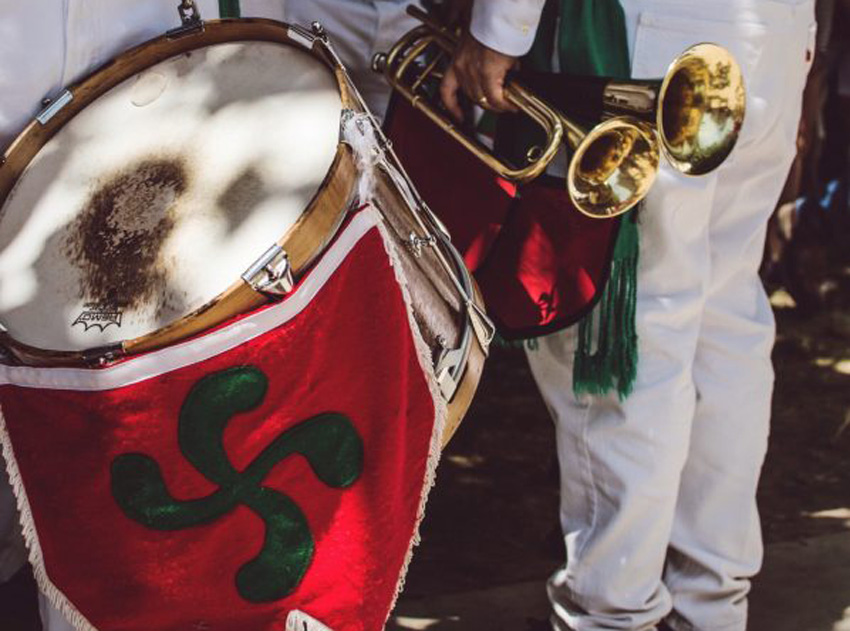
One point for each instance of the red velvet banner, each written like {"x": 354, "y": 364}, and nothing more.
{"x": 180, "y": 502}
{"x": 541, "y": 265}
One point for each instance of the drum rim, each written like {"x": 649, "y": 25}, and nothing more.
{"x": 303, "y": 241}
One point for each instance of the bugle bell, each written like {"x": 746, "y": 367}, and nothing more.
{"x": 612, "y": 167}
{"x": 697, "y": 107}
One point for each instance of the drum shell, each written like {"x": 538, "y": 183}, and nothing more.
{"x": 437, "y": 308}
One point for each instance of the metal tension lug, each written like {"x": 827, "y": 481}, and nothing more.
{"x": 271, "y": 273}
{"x": 482, "y": 325}
{"x": 416, "y": 243}
{"x": 101, "y": 356}
{"x": 448, "y": 370}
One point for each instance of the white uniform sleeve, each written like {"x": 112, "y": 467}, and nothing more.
{"x": 507, "y": 26}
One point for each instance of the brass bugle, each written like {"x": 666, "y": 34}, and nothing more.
{"x": 612, "y": 167}
{"x": 698, "y": 106}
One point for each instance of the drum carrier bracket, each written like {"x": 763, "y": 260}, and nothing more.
{"x": 52, "y": 108}
{"x": 190, "y": 18}
{"x": 271, "y": 273}
{"x": 301, "y": 35}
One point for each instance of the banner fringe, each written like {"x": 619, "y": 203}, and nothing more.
{"x": 425, "y": 356}
{"x": 36, "y": 557}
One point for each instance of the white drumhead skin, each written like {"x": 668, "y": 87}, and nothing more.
{"x": 161, "y": 193}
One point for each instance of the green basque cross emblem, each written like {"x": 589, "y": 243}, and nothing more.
{"x": 328, "y": 442}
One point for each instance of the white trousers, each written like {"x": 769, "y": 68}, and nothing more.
{"x": 658, "y": 491}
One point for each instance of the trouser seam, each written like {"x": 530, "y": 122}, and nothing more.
{"x": 592, "y": 495}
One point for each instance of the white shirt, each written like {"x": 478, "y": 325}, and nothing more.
{"x": 49, "y": 44}
{"x": 507, "y": 26}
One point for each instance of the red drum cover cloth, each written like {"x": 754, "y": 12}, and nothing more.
{"x": 350, "y": 351}
{"x": 541, "y": 264}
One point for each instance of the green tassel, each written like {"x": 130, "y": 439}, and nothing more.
{"x": 229, "y": 8}
{"x": 591, "y": 40}
{"x": 500, "y": 342}
{"x": 607, "y": 352}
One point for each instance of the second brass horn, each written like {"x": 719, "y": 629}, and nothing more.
{"x": 698, "y": 106}
{"x": 612, "y": 167}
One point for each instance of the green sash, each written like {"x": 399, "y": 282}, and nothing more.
{"x": 591, "y": 40}
{"x": 229, "y": 8}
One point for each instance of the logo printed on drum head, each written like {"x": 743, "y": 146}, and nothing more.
{"x": 98, "y": 316}
{"x": 116, "y": 241}
{"x": 328, "y": 441}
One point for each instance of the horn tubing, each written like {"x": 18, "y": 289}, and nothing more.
{"x": 606, "y": 158}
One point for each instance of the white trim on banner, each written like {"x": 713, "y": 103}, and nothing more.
{"x": 210, "y": 345}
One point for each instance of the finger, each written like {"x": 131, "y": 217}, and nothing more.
{"x": 473, "y": 91}
{"x": 466, "y": 66}
{"x": 448, "y": 92}
{"x": 494, "y": 90}
{"x": 470, "y": 82}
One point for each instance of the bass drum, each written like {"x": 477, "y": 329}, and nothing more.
{"x": 188, "y": 182}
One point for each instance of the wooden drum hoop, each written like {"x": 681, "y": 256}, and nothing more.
{"x": 303, "y": 242}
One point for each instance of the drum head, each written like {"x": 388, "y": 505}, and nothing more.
{"x": 157, "y": 196}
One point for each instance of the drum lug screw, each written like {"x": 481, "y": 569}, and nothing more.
{"x": 319, "y": 31}
{"x": 415, "y": 243}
